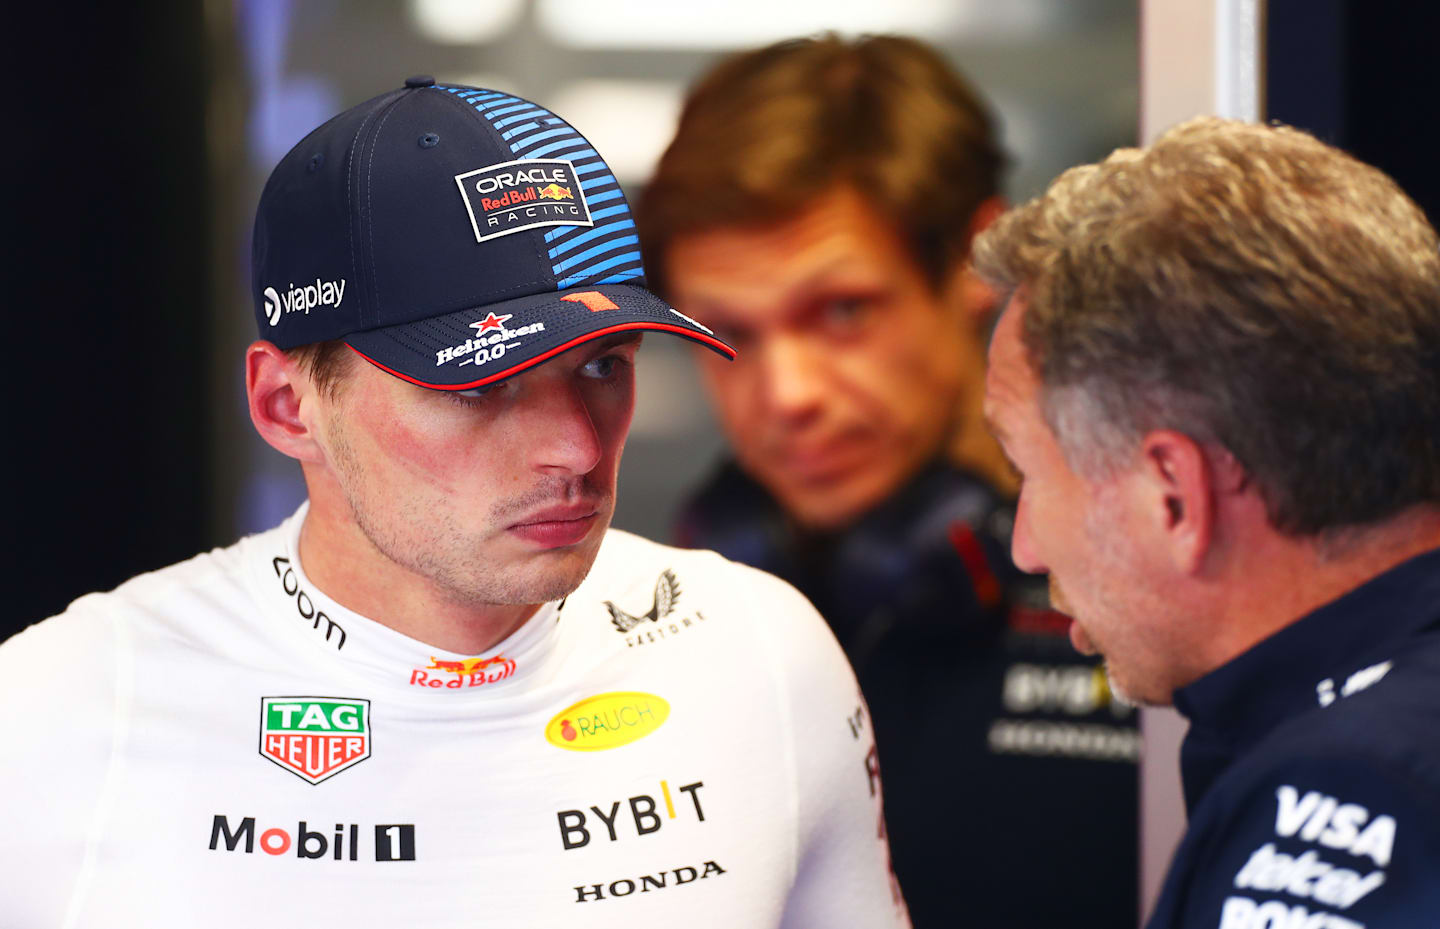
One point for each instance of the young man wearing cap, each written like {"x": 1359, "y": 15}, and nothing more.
{"x": 443, "y": 691}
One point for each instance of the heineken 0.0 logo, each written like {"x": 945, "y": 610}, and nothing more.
{"x": 315, "y": 737}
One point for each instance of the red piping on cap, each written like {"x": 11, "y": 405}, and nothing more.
{"x": 714, "y": 343}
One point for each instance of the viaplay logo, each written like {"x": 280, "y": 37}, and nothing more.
{"x": 302, "y": 299}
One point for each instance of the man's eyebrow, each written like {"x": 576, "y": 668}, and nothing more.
{"x": 617, "y": 340}
{"x": 993, "y": 424}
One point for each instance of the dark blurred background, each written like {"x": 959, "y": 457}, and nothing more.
{"x": 146, "y": 130}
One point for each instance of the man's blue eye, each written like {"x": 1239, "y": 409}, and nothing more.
{"x": 603, "y": 366}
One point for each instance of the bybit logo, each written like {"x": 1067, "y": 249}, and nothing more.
{"x": 644, "y": 811}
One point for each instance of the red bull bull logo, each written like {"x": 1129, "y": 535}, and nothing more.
{"x": 555, "y": 192}
{"x": 466, "y": 672}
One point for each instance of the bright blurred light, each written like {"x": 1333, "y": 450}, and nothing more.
{"x": 629, "y": 122}
{"x": 490, "y": 80}
{"x": 460, "y": 22}
{"x": 738, "y": 23}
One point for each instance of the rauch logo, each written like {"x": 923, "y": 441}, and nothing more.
{"x": 606, "y": 721}
{"x": 315, "y": 737}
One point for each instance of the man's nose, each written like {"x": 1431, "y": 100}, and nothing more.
{"x": 795, "y": 382}
{"x": 559, "y": 420}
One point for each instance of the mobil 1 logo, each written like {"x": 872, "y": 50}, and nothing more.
{"x": 391, "y": 841}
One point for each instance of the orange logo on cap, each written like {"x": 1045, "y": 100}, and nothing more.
{"x": 555, "y": 192}
{"x": 594, "y": 300}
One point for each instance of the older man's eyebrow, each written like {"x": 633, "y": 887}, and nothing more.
{"x": 993, "y": 424}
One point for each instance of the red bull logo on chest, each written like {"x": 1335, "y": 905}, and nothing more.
{"x": 315, "y": 738}
{"x": 466, "y": 672}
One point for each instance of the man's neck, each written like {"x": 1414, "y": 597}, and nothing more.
{"x": 1295, "y": 577}
{"x": 343, "y": 563}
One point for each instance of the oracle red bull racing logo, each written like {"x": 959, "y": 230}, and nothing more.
{"x": 315, "y": 738}
{"x": 524, "y": 194}
{"x": 467, "y": 672}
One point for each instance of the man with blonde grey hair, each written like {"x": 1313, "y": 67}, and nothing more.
{"x": 1218, "y": 374}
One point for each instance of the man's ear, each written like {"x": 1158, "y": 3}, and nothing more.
{"x": 276, "y": 387}
{"x": 976, "y": 301}
{"x": 1182, "y": 488}
{"x": 986, "y": 213}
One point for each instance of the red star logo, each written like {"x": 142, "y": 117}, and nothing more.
{"x": 490, "y": 322}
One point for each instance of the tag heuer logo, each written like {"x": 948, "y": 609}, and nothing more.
{"x": 315, "y": 737}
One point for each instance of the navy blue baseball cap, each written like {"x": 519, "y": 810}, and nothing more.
{"x": 452, "y": 236}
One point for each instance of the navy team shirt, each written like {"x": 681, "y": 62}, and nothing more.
{"x": 1312, "y": 771}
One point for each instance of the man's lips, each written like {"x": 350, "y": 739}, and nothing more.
{"x": 818, "y": 461}
{"x": 557, "y": 526}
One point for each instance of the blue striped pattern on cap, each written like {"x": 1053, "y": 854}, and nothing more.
{"x": 609, "y": 251}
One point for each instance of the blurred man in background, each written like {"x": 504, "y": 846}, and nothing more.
{"x": 1219, "y": 375}
{"x": 816, "y": 209}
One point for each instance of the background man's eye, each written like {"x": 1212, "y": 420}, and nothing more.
{"x": 845, "y": 311}
{"x": 731, "y": 335}
{"x": 476, "y": 391}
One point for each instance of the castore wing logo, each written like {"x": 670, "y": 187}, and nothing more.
{"x": 667, "y": 592}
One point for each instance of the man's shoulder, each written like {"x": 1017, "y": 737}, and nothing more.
{"x": 1340, "y": 799}
{"x": 168, "y": 595}
{"x": 1382, "y": 712}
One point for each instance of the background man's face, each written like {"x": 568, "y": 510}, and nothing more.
{"x": 1089, "y": 536}
{"x": 501, "y": 498}
{"x": 850, "y": 365}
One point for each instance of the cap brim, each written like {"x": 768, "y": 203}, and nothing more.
{"x": 475, "y": 347}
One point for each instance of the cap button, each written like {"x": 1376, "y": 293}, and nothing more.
{"x": 420, "y": 80}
